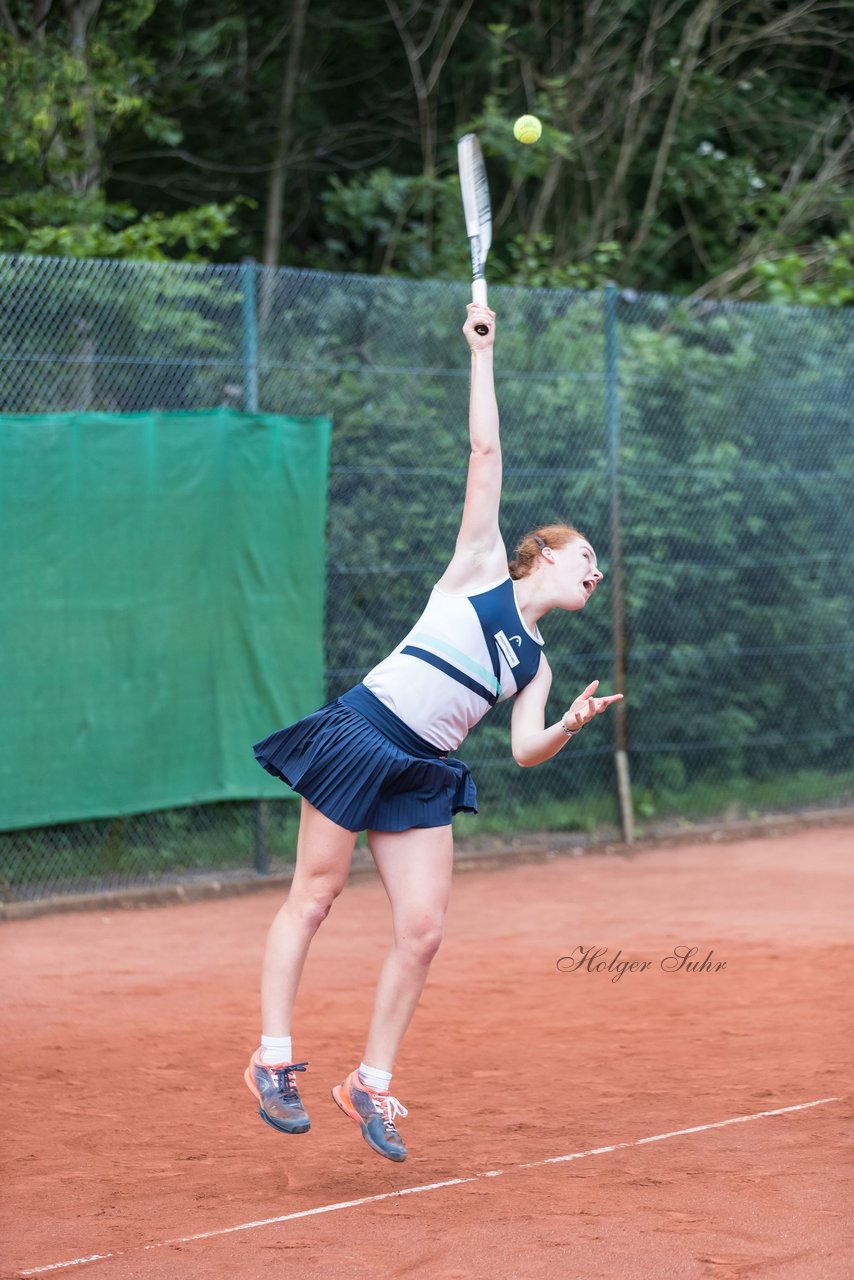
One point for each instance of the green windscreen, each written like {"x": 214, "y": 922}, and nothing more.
{"x": 161, "y": 605}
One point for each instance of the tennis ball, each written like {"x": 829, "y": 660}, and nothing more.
{"x": 527, "y": 129}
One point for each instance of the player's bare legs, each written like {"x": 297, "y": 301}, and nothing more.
{"x": 416, "y": 868}
{"x": 324, "y": 854}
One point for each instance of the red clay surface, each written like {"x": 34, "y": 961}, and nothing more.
{"x": 127, "y": 1123}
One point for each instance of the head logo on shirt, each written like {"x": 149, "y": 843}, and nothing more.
{"x": 506, "y": 647}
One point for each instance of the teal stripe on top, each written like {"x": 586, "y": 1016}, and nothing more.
{"x": 460, "y": 658}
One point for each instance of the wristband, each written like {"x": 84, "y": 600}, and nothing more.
{"x": 568, "y": 733}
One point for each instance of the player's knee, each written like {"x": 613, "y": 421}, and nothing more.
{"x": 424, "y": 938}
{"x": 314, "y": 905}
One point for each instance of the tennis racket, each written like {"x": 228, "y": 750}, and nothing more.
{"x": 478, "y": 214}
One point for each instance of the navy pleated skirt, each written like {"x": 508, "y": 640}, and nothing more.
{"x": 361, "y": 766}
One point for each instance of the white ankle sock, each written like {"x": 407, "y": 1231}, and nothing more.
{"x": 276, "y": 1049}
{"x": 374, "y": 1078}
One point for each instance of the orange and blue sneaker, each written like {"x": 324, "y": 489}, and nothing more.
{"x": 376, "y": 1112}
{"x": 275, "y": 1088}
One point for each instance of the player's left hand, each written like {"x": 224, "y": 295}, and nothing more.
{"x": 478, "y": 314}
{"x": 586, "y": 706}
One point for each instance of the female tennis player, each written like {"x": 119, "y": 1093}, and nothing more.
{"x": 378, "y": 759}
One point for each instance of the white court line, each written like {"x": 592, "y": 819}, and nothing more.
{"x": 429, "y": 1186}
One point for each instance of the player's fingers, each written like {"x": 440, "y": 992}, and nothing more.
{"x": 476, "y": 321}
{"x": 587, "y": 692}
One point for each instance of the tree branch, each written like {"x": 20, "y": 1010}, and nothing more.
{"x": 9, "y": 23}
{"x": 634, "y": 128}
{"x": 421, "y": 95}
{"x": 689, "y": 49}
{"x": 447, "y": 44}
{"x": 273, "y": 221}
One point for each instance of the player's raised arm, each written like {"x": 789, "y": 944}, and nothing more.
{"x": 480, "y": 555}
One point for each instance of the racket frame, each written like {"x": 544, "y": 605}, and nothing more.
{"x": 478, "y": 214}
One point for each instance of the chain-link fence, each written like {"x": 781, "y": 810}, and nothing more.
{"x": 713, "y": 440}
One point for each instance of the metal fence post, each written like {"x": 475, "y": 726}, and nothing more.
{"x": 261, "y": 857}
{"x": 250, "y": 336}
{"x": 612, "y": 403}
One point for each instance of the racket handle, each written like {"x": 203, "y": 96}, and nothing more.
{"x": 478, "y": 295}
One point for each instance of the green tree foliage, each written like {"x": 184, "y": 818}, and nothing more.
{"x": 72, "y": 78}
{"x": 689, "y": 146}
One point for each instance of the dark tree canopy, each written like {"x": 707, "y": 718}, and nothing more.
{"x": 689, "y": 146}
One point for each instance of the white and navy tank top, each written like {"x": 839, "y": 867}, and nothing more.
{"x": 464, "y": 654}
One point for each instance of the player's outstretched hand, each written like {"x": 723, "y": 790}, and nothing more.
{"x": 478, "y": 314}
{"x": 586, "y": 706}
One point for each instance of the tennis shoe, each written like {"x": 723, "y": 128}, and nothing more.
{"x": 376, "y": 1112}
{"x": 275, "y": 1087}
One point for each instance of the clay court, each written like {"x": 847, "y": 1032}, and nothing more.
{"x": 548, "y": 1108}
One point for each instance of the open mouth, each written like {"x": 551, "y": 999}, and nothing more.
{"x": 589, "y": 586}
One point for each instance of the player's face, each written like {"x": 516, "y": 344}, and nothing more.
{"x": 579, "y": 573}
